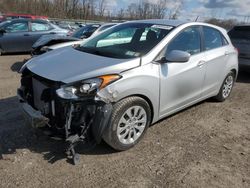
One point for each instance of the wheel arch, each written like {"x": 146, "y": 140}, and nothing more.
{"x": 144, "y": 97}
{"x": 235, "y": 73}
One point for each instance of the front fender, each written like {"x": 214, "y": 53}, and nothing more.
{"x": 141, "y": 81}
{"x": 101, "y": 120}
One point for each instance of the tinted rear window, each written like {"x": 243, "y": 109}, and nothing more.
{"x": 240, "y": 32}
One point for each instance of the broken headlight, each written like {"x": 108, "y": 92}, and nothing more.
{"x": 87, "y": 87}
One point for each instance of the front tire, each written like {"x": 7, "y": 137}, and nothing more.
{"x": 226, "y": 87}
{"x": 129, "y": 121}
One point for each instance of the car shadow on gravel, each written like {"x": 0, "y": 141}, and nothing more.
{"x": 16, "y": 136}
{"x": 15, "y": 53}
{"x": 18, "y": 65}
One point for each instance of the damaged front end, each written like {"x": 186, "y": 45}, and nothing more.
{"x": 42, "y": 45}
{"x": 73, "y": 112}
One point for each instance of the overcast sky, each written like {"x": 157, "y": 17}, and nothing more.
{"x": 203, "y": 8}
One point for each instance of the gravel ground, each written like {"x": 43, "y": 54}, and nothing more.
{"x": 207, "y": 145}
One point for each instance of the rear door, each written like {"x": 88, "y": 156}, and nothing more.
{"x": 14, "y": 40}
{"x": 217, "y": 54}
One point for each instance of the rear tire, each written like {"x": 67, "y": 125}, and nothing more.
{"x": 129, "y": 121}
{"x": 226, "y": 87}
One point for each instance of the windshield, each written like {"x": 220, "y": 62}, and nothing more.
{"x": 3, "y": 23}
{"x": 85, "y": 31}
{"x": 126, "y": 41}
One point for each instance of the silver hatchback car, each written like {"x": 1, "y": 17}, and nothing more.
{"x": 114, "y": 85}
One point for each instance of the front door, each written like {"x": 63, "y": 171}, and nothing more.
{"x": 181, "y": 83}
{"x": 14, "y": 40}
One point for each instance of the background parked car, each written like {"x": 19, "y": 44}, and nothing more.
{"x": 48, "y": 43}
{"x": 10, "y": 16}
{"x": 240, "y": 36}
{"x": 19, "y": 35}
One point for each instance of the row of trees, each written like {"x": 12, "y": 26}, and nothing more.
{"x": 227, "y": 24}
{"x": 94, "y": 9}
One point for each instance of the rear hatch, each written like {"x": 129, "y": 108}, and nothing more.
{"x": 240, "y": 36}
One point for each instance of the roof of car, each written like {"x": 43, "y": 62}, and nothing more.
{"x": 110, "y": 23}
{"x": 25, "y": 19}
{"x": 174, "y": 23}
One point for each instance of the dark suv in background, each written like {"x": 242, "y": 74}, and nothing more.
{"x": 240, "y": 36}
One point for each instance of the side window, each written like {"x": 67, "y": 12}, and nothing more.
{"x": 37, "y": 26}
{"x": 188, "y": 40}
{"x": 212, "y": 38}
{"x": 17, "y": 27}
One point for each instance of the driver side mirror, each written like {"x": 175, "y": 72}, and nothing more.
{"x": 177, "y": 56}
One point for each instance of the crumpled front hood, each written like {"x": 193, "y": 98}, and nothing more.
{"x": 70, "y": 65}
{"x": 52, "y": 39}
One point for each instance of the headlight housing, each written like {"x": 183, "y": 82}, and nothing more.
{"x": 87, "y": 87}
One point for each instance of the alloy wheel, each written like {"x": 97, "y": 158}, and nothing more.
{"x": 227, "y": 87}
{"x": 131, "y": 125}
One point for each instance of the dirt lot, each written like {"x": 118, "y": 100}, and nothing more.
{"x": 207, "y": 145}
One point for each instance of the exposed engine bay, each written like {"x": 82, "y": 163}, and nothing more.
{"x": 76, "y": 121}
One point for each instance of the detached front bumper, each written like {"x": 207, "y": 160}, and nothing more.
{"x": 34, "y": 117}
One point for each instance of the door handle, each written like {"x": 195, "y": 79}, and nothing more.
{"x": 201, "y": 63}
{"x": 52, "y": 33}
{"x": 227, "y": 53}
{"x": 26, "y": 35}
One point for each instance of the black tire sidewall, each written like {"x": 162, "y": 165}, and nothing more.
{"x": 220, "y": 96}
{"x": 119, "y": 110}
